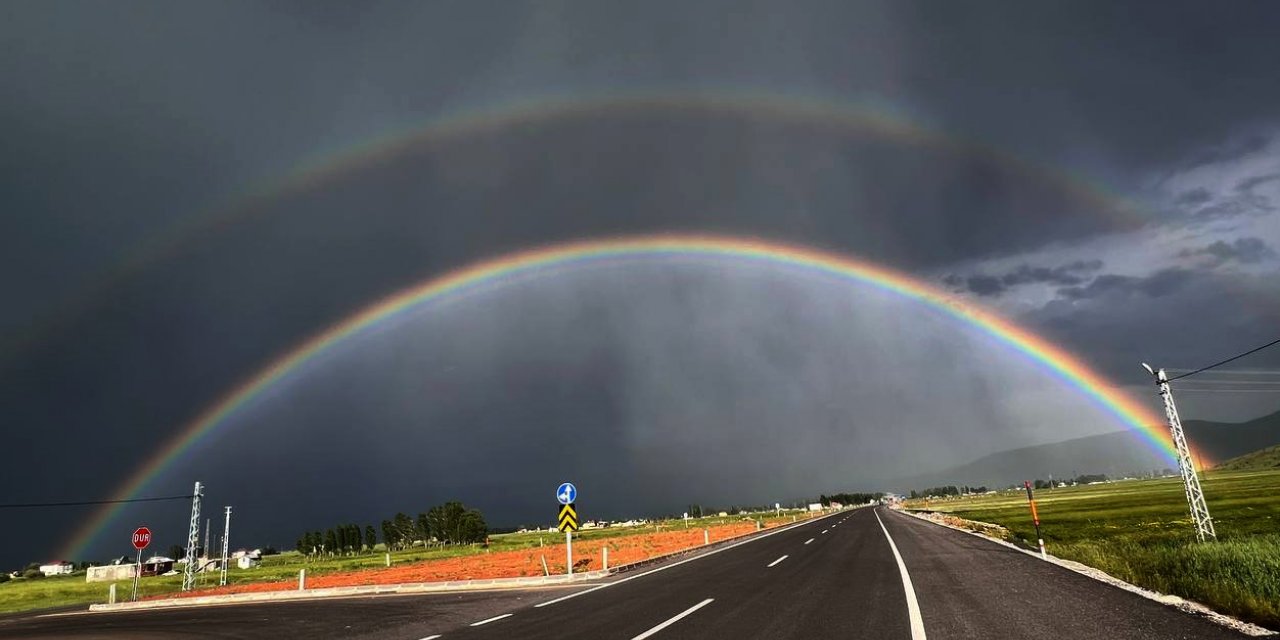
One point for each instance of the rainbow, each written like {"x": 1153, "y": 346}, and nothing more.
{"x": 868, "y": 118}
{"x": 1053, "y": 359}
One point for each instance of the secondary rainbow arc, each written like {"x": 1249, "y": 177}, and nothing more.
{"x": 1050, "y": 357}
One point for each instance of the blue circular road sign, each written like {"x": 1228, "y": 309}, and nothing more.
{"x": 567, "y": 493}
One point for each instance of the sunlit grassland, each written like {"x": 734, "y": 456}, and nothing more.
{"x": 40, "y": 593}
{"x": 1140, "y": 531}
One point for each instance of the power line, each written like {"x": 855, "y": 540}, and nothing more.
{"x": 1232, "y": 358}
{"x": 82, "y": 503}
{"x": 1182, "y": 389}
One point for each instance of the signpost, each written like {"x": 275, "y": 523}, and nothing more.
{"x": 141, "y": 539}
{"x": 567, "y": 519}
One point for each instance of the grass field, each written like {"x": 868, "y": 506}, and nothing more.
{"x": 1140, "y": 532}
{"x": 28, "y": 594}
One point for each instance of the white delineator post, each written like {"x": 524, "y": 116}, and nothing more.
{"x": 604, "y": 552}
{"x": 111, "y": 594}
{"x": 706, "y": 536}
{"x": 1190, "y": 481}
{"x": 568, "y": 552}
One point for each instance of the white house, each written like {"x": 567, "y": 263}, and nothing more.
{"x": 60, "y": 568}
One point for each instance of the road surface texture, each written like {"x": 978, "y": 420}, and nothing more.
{"x": 869, "y": 573}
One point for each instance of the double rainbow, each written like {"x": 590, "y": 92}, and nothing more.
{"x": 1051, "y": 358}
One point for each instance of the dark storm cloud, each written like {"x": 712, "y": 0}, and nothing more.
{"x": 1197, "y": 196}
{"x": 1242, "y": 250}
{"x": 1229, "y": 151}
{"x": 1248, "y": 184}
{"x": 1070, "y": 274}
{"x": 1119, "y": 287}
{"x": 121, "y": 120}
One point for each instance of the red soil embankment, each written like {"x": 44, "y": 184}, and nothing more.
{"x": 505, "y": 564}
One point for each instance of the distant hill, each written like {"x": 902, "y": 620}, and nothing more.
{"x": 1114, "y": 454}
{"x": 1261, "y": 459}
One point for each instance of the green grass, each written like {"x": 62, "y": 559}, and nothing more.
{"x": 28, "y": 594}
{"x": 1140, "y": 531}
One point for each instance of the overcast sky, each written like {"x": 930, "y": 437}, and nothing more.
{"x": 1106, "y": 175}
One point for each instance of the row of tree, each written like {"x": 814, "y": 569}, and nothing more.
{"x": 949, "y": 490}
{"x": 849, "y": 498}
{"x": 449, "y": 523}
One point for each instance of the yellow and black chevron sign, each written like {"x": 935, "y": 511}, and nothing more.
{"x": 568, "y": 517}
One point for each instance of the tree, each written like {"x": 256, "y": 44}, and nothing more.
{"x": 388, "y": 534}
{"x": 301, "y": 546}
{"x": 330, "y": 541}
{"x": 370, "y": 537}
{"x": 404, "y": 530}
{"x": 177, "y": 551}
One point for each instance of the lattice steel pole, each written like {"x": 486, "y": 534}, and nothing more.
{"x": 1190, "y": 480}
{"x": 193, "y": 538}
{"x": 226, "y": 538}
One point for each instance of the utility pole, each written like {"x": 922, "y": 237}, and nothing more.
{"x": 193, "y": 538}
{"x": 1190, "y": 481}
{"x": 226, "y": 537}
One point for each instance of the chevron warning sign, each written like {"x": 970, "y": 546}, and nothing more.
{"x": 568, "y": 517}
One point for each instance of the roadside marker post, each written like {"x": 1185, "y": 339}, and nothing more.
{"x": 1035, "y": 517}
{"x": 604, "y": 553}
{"x": 111, "y": 594}
{"x": 706, "y": 536}
{"x": 567, "y": 520}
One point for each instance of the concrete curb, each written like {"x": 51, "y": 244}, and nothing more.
{"x": 1177, "y": 602}
{"x": 415, "y": 587}
{"x": 361, "y": 590}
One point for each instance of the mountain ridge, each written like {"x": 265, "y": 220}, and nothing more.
{"x": 1116, "y": 454}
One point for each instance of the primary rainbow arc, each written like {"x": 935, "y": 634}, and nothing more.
{"x": 1052, "y": 358}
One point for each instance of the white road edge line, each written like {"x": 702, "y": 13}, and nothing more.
{"x": 675, "y": 619}
{"x": 488, "y": 620}
{"x": 676, "y": 564}
{"x": 808, "y": 541}
{"x": 913, "y": 607}
{"x": 771, "y": 564}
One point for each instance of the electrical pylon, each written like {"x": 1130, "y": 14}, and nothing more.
{"x": 1190, "y": 481}
{"x": 193, "y": 539}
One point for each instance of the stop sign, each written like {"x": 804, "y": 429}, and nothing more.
{"x": 141, "y": 538}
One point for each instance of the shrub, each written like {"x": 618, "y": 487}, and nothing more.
{"x": 32, "y": 573}
{"x": 4, "y": 577}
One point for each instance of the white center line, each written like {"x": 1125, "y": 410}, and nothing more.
{"x": 675, "y": 619}
{"x": 488, "y": 620}
{"x": 913, "y": 607}
{"x": 808, "y": 541}
{"x": 825, "y": 530}
{"x": 771, "y": 564}
{"x": 432, "y": 637}
{"x": 664, "y": 567}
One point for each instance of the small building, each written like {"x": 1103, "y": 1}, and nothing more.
{"x": 110, "y": 573}
{"x": 59, "y": 568}
{"x": 815, "y": 506}
{"x": 247, "y": 561}
{"x": 157, "y": 566}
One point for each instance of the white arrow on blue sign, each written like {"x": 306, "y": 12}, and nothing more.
{"x": 567, "y": 493}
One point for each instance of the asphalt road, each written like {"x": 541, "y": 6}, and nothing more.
{"x": 837, "y": 577}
